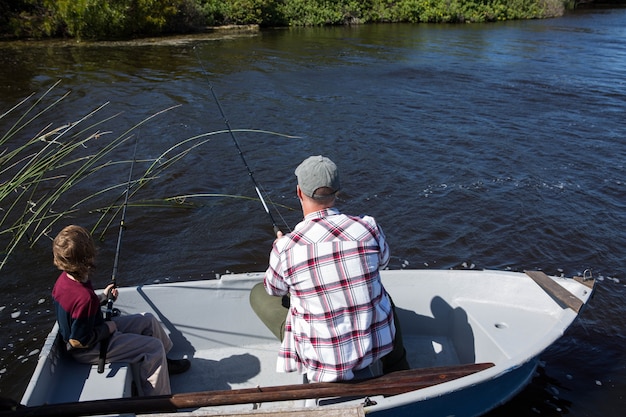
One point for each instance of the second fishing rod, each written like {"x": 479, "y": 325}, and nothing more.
{"x": 104, "y": 344}
{"x": 232, "y": 135}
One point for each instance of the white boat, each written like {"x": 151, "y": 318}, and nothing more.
{"x": 449, "y": 318}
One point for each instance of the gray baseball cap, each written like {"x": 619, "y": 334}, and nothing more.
{"x": 316, "y": 172}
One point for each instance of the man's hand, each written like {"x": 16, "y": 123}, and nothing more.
{"x": 279, "y": 234}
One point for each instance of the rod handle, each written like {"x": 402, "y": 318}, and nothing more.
{"x": 100, "y": 365}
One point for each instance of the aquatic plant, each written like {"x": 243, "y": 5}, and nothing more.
{"x": 38, "y": 174}
{"x": 52, "y": 174}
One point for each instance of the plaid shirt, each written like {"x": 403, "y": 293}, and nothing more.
{"x": 340, "y": 319}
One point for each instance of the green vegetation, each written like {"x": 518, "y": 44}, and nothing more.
{"x": 40, "y": 172}
{"x": 113, "y": 19}
{"x": 48, "y": 171}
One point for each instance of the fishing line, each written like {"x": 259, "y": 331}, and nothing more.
{"x": 123, "y": 218}
{"x": 104, "y": 344}
{"x": 232, "y": 135}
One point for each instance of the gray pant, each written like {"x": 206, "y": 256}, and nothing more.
{"x": 139, "y": 339}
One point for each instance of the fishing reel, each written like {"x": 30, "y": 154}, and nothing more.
{"x": 111, "y": 312}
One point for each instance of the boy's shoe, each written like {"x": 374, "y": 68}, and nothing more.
{"x": 177, "y": 366}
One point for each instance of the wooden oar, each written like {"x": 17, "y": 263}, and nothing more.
{"x": 391, "y": 384}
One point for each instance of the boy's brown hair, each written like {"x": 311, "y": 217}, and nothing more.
{"x": 74, "y": 252}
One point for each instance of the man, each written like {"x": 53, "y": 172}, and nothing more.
{"x": 337, "y": 319}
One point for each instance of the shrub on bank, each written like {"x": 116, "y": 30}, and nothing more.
{"x": 99, "y": 19}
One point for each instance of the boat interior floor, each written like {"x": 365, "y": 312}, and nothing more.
{"x": 238, "y": 367}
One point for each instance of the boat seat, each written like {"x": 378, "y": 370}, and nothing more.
{"x": 82, "y": 382}
{"x": 62, "y": 379}
{"x": 373, "y": 370}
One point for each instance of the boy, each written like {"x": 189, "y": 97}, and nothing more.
{"x": 137, "y": 338}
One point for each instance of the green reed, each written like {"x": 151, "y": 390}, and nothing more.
{"x": 39, "y": 175}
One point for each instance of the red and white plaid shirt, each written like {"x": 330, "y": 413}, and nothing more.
{"x": 340, "y": 319}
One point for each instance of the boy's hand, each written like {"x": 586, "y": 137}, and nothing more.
{"x": 111, "y": 288}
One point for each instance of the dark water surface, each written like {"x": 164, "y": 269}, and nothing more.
{"x": 496, "y": 146}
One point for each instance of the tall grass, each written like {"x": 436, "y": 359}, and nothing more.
{"x": 51, "y": 175}
{"x": 39, "y": 172}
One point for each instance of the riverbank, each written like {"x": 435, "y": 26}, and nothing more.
{"x": 128, "y": 19}
{"x": 207, "y": 34}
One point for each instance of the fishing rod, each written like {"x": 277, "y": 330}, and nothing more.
{"x": 104, "y": 344}
{"x": 232, "y": 135}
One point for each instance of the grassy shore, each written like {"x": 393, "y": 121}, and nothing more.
{"x": 123, "y": 19}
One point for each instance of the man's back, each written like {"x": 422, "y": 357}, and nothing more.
{"x": 340, "y": 319}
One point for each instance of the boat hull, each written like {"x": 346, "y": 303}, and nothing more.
{"x": 470, "y": 401}
{"x": 448, "y": 318}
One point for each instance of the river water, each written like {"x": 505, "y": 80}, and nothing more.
{"x": 497, "y": 146}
